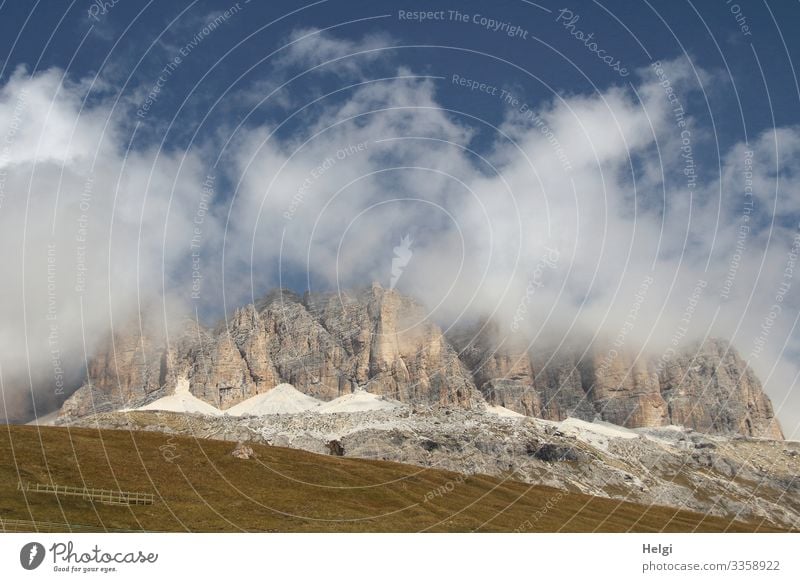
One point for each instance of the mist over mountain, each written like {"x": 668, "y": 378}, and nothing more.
{"x": 379, "y": 341}
{"x": 619, "y": 215}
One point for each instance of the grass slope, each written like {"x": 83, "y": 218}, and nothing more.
{"x": 199, "y": 486}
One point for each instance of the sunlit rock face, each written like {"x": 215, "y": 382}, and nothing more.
{"x": 327, "y": 345}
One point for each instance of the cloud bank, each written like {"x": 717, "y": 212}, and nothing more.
{"x": 592, "y": 215}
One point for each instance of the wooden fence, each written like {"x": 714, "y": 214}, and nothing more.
{"x": 25, "y": 526}
{"x": 106, "y": 496}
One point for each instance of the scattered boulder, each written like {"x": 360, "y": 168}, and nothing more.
{"x": 335, "y": 448}
{"x": 553, "y": 453}
{"x": 429, "y": 445}
{"x": 243, "y": 451}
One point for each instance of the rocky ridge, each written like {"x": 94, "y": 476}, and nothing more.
{"x": 330, "y": 345}
{"x": 706, "y": 387}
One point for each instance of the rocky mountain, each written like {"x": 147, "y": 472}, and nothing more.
{"x": 327, "y": 345}
{"x": 704, "y": 386}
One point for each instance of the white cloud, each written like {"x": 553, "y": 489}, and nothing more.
{"x": 383, "y": 162}
{"x": 312, "y": 47}
{"x": 85, "y": 230}
{"x": 480, "y": 237}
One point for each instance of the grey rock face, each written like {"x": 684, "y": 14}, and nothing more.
{"x": 704, "y": 387}
{"x": 710, "y": 388}
{"x": 327, "y": 345}
{"x": 130, "y": 368}
{"x": 560, "y": 380}
{"x": 502, "y": 371}
{"x": 391, "y": 349}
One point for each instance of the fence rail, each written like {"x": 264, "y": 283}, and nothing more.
{"x": 24, "y": 526}
{"x": 107, "y": 496}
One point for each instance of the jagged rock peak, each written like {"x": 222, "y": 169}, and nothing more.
{"x": 330, "y": 344}
{"x": 325, "y": 345}
{"x": 707, "y": 387}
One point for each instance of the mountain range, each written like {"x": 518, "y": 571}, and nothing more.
{"x": 379, "y": 340}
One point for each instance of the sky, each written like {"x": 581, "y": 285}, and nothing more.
{"x": 621, "y": 171}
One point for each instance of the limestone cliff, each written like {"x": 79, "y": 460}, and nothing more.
{"x": 706, "y": 387}
{"x": 710, "y": 388}
{"x": 327, "y": 345}
{"x": 502, "y": 370}
{"x": 324, "y": 345}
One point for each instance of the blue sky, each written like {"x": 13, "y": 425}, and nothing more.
{"x": 129, "y": 34}
{"x": 192, "y": 155}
